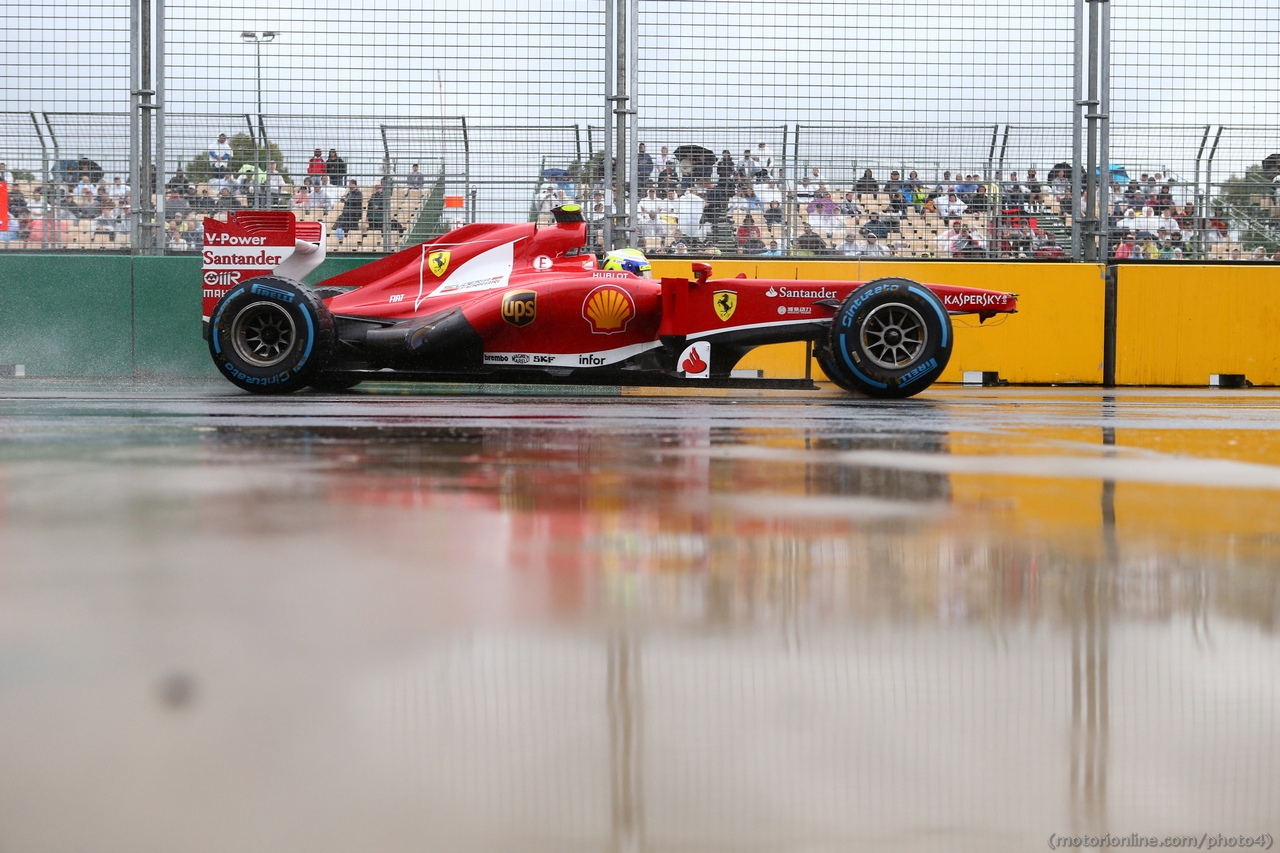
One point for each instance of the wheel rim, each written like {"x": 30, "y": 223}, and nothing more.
{"x": 894, "y": 335}
{"x": 263, "y": 334}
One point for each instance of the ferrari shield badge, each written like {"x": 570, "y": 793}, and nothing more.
{"x": 439, "y": 262}
{"x": 725, "y": 301}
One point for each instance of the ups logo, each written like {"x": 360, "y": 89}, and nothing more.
{"x": 520, "y": 307}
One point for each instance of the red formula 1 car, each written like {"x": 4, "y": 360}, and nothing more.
{"x": 504, "y": 303}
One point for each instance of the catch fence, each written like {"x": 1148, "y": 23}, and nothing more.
{"x": 510, "y": 109}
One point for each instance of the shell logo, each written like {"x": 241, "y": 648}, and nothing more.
{"x": 608, "y": 309}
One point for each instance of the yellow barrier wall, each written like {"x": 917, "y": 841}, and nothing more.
{"x": 1056, "y": 336}
{"x": 1175, "y": 325}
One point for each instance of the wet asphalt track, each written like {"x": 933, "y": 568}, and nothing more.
{"x": 406, "y": 620}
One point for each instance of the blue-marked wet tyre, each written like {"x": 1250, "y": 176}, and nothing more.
{"x": 890, "y": 338}
{"x": 271, "y": 335}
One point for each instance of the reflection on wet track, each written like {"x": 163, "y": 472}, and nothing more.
{"x": 408, "y": 620}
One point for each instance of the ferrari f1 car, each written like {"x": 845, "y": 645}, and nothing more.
{"x": 504, "y": 303}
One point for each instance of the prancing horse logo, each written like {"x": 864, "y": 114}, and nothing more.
{"x": 439, "y": 262}
{"x": 725, "y": 302}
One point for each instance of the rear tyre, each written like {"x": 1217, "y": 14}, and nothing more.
{"x": 891, "y": 338}
{"x": 271, "y": 335}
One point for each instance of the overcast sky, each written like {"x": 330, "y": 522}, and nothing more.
{"x": 914, "y": 74}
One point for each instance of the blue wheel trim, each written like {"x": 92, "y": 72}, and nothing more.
{"x": 844, "y": 353}
{"x": 933, "y": 300}
{"x": 213, "y": 331}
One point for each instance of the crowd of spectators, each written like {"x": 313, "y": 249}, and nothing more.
{"x": 691, "y": 202}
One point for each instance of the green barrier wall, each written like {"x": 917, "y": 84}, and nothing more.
{"x": 109, "y": 315}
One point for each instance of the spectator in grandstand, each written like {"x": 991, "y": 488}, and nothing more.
{"x": 84, "y": 185}
{"x": 1023, "y": 240}
{"x": 376, "y": 211}
{"x": 203, "y": 204}
{"x": 316, "y": 166}
{"x": 178, "y": 185}
{"x": 669, "y": 178}
{"x": 850, "y": 248}
{"x": 1013, "y": 193}
{"x": 849, "y": 205}
{"x": 651, "y": 227}
{"x": 644, "y": 168}
{"x": 226, "y": 202}
{"x": 875, "y": 225}
{"x": 1147, "y": 223}
{"x": 942, "y": 188}
{"x": 1128, "y": 247}
{"x": 220, "y": 157}
{"x": 415, "y": 179}
{"x": 548, "y": 201}
{"x": 663, "y": 160}
{"x": 809, "y": 243}
{"x": 108, "y": 221}
{"x": 774, "y": 252}
{"x": 947, "y": 239}
{"x": 117, "y": 190}
{"x": 824, "y": 215}
{"x": 1167, "y": 221}
{"x": 764, "y": 163}
{"x": 1049, "y": 247}
{"x": 968, "y": 244}
{"x": 1259, "y": 254}
{"x": 900, "y": 193}
{"x": 866, "y": 184}
{"x": 5, "y": 174}
{"x": 352, "y": 208}
{"x": 1128, "y": 222}
{"x": 1168, "y": 251}
{"x": 175, "y": 204}
{"x": 773, "y": 216}
{"x": 336, "y": 168}
{"x": 873, "y": 248}
{"x": 950, "y": 206}
{"x": 727, "y": 168}
{"x": 748, "y": 235}
{"x": 979, "y": 202}
{"x": 1035, "y": 192}
{"x": 86, "y": 205}
{"x": 331, "y": 192}
{"x": 805, "y": 191}
{"x": 768, "y": 193}
{"x": 752, "y": 198}
{"x": 275, "y": 185}
{"x": 174, "y": 238}
{"x": 689, "y": 213}
{"x": 1060, "y": 184}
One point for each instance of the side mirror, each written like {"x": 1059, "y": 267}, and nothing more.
{"x": 701, "y": 271}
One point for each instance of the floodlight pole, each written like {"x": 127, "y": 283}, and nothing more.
{"x": 259, "y": 137}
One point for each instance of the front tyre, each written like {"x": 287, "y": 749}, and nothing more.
{"x": 890, "y": 338}
{"x": 271, "y": 335}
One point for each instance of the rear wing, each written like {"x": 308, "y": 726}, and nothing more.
{"x": 253, "y": 243}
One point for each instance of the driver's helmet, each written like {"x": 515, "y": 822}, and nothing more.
{"x": 629, "y": 260}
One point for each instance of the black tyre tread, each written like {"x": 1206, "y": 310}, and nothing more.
{"x": 866, "y": 298}
{"x": 251, "y": 378}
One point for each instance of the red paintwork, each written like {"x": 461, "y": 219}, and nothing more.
{"x": 545, "y": 270}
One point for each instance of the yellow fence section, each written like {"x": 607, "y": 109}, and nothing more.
{"x": 1056, "y": 336}
{"x": 1176, "y": 325}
